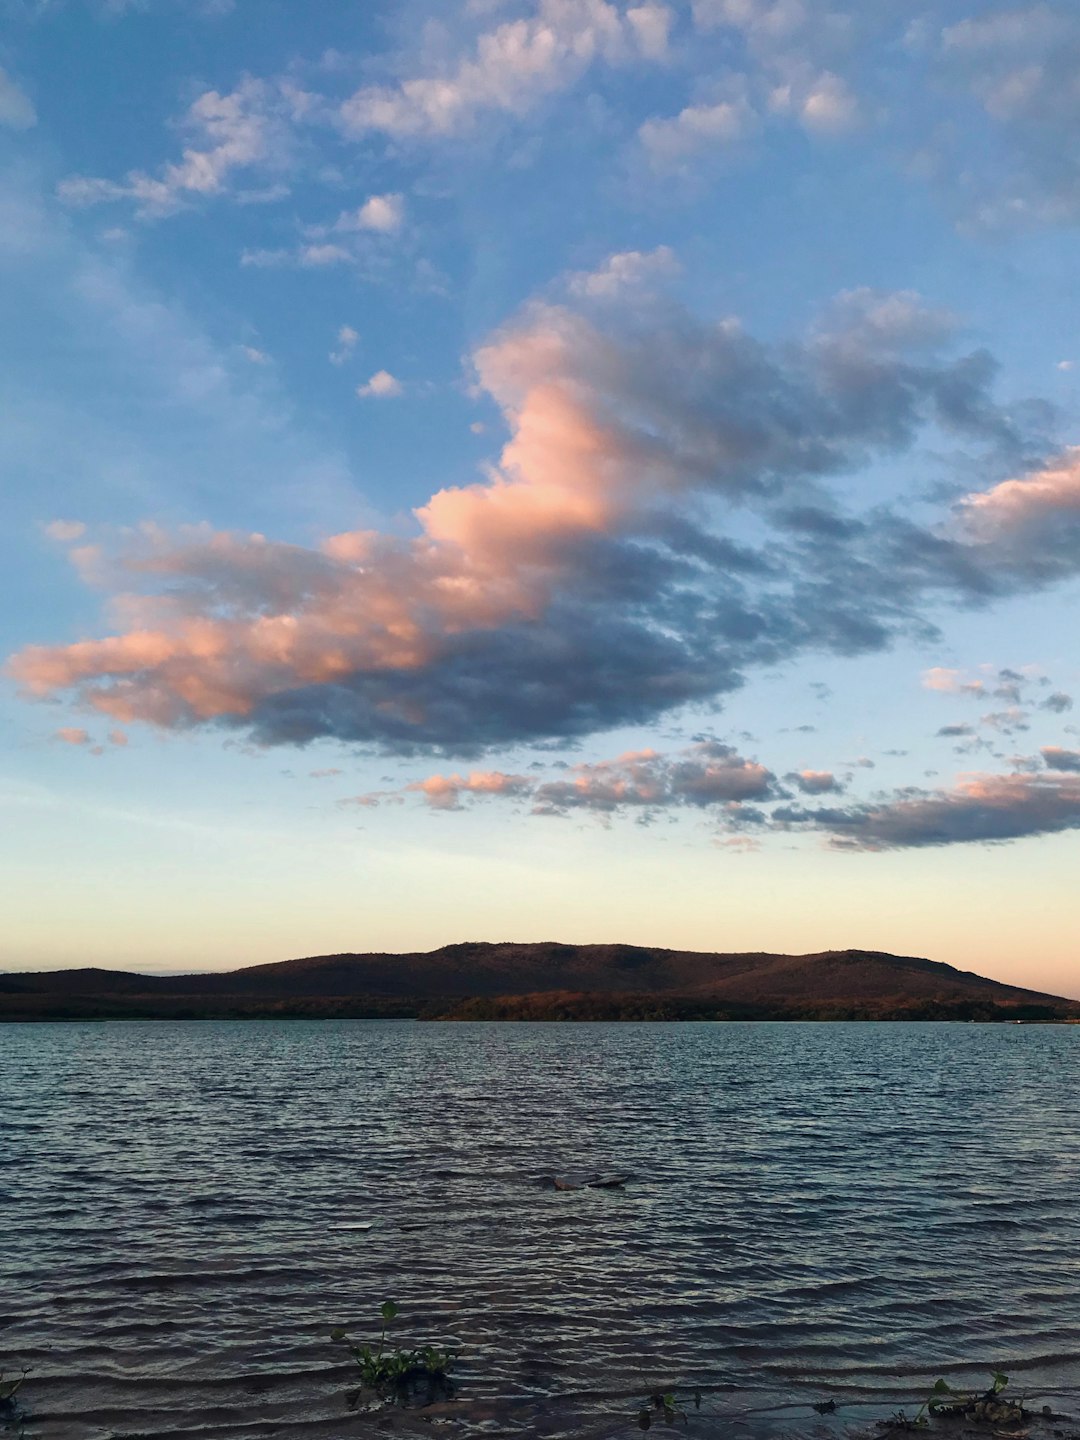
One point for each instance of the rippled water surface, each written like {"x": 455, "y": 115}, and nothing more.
{"x": 815, "y": 1209}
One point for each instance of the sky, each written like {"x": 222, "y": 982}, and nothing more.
{"x": 540, "y": 469}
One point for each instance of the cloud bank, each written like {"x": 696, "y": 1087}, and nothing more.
{"x": 743, "y": 798}
{"x": 664, "y": 518}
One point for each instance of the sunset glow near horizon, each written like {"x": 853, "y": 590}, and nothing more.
{"x": 540, "y": 469}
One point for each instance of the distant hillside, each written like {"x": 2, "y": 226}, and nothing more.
{"x": 542, "y": 981}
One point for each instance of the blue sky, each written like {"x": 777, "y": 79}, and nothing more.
{"x": 540, "y": 469}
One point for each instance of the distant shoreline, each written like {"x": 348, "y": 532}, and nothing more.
{"x": 224, "y": 1016}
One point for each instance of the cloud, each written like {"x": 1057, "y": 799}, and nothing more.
{"x": 955, "y": 732}
{"x": 384, "y": 213}
{"x": 71, "y": 735}
{"x": 1033, "y": 521}
{"x": 257, "y": 357}
{"x": 313, "y": 257}
{"x": 250, "y": 126}
{"x": 670, "y": 142}
{"x": 65, "y": 531}
{"x": 980, "y": 809}
{"x": 444, "y": 792}
{"x": 347, "y": 339}
{"x": 595, "y": 576}
{"x": 951, "y": 682}
{"x": 1058, "y": 702}
{"x": 359, "y": 237}
{"x": 1019, "y": 64}
{"x": 1008, "y": 722}
{"x": 382, "y": 385}
{"x": 705, "y": 774}
{"x": 16, "y": 108}
{"x": 1057, "y": 759}
{"x": 777, "y": 64}
{"x": 512, "y": 68}
{"x": 624, "y": 271}
{"x": 815, "y": 782}
{"x": 825, "y": 105}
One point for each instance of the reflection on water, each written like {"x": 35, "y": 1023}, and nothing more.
{"x": 846, "y": 1209}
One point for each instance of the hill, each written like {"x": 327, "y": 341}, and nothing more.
{"x": 542, "y": 981}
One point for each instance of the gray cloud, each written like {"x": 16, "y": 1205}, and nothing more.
{"x": 1058, "y": 702}
{"x": 815, "y": 782}
{"x": 704, "y": 775}
{"x": 1057, "y": 759}
{"x": 980, "y": 809}
{"x": 1007, "y": 722}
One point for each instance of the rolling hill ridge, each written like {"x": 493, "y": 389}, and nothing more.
{"x": 546, "y": 980}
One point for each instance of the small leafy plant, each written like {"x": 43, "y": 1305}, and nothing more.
{"x": 395, "y": 1374}
{"x": 664, "y": 1405}
{"x": 943, "y": 1400}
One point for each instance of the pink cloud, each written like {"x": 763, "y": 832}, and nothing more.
{"x": 65, "y": 531}
{"x": 585, "y": 581}
{"x": 951, "y": 682}
{"x": 1032, "y": 499}
{"x": 444, "y": 792}
{"x": 703, "y": 775}
{"x": 71, "y": 735}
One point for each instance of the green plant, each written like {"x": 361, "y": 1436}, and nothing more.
{"x": 943, "y": 1400}
{"x": 899, "y": 1420}
{"x": 665, "y": 1406}
{"x": 396, "y": 1374}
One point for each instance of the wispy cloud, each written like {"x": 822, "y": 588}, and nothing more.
{"x": 347, "y": 340}
{"x": 248, "y": 127}
{"x": 16, "y": 108}
{"x": 1019, "y": 63}
{"x": 513, "y": 67}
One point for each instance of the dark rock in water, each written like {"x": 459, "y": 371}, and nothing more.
{"x": 584, "y": 1180}
{"x": 825, "y": 1407}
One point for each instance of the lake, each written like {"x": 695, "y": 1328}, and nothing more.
{"x": 815, "y": 1210}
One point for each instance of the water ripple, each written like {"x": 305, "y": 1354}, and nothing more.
{"x": 850, "y": 1209}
